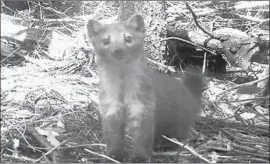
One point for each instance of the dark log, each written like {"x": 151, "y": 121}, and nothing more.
{"x": 182, "y": 54}
{"x": 241, "y": 49}
{"x": 232, "y": 47}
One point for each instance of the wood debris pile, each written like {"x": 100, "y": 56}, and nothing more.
{"x": 49, "y": 94}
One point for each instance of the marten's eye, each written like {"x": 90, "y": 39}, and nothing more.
{"x": 106, "y": 41}
{"x": 128, "y": 39}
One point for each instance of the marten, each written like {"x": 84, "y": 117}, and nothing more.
{"x": 135, "y": 98}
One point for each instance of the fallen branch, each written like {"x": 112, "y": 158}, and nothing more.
{"x": 20, "y": 158}
{"x": 253, "y": 19}
{"x": 50, "y": 151}
{"x": 250, "y": 99}
{"x": 249, "y": 151}
{"x": 183, "y": 40}
{"x": 189, "y": 149}
{"x": 102, "y": 155}
{"x": 196, "y": 22}
{"x": 171, "y": 69}
{"x": 241, "y": 85}
{"x": 43, "y": 141}
{"x": 249, "y": 4}
{"x": 169, "y": 153}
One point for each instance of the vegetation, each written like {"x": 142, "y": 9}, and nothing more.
{"x": 49, "y": 105}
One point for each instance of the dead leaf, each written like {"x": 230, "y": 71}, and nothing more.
{"x": 51, "y": 138}
{"x": 45, "y": 132}
{"x": 23, "y": 114}
{"x": 60, "y": 122}
{"x": 247, "y": 116}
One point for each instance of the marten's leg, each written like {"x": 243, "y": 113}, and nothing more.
{"x": 141, "y": 126}
{"x": 113, "y": 132}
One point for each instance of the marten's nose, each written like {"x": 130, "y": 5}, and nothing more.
{"x": 118, "y": 53}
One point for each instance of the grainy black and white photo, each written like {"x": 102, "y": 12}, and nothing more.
{"x": 135, "y": 81}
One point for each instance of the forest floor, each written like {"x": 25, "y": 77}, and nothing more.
{"x": 49, "y": 108}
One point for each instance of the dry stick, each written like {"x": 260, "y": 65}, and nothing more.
{"x": 42, "y": 140}
{"x": 52, "y": 21}
{"x": 248, "y": 5}
{"x": 102, "y": 155}
{"x": 50, "y": 151}
{"x": 20, "y": 158}
{"x": 13, "y": 52}
{"x": 22, "y": 134}
{"x": 204, "y": 63}
{"x": 196, "y": 21}
{"x": 251, "y": 99}
{"x": 183, "y": 40}
{"x": 245, "y": 84}
{"x": 161, "y": 65}
{"x": 50, "y": 9}
{"x": 83, "y": 145}
{"x": 167, "y": 153}
{"x": 48, "y": 119}
{"x": 253, "y": 19}
{"x": 249, "y": 151}
{"x": 240, "y": 71}
{"x": 189, "y": 149}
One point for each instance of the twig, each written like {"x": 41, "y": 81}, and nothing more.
{"x": 83, "y": 145}
{"x": 3, "y": 5}
{"x": 249, "y": 4}
{"x": 253, "y": 19}
{"x": 48, "y": 119}
{"x": 183, "y": 40}
{"x": 249, "y": 151}
{"x": 18, "y": 52}
{"x": 32, "y": 147}
{"x": 196, "y": 21}
{"x": 251, "y": 99}
{"x": 204, "y": 63}
{"x": 241, "y": 85}
{"x": 236, "y": 159}
{"x": 167, "y": 153}
{"x": 50, "y": 151}
{"x": 102, "y": 155}
{"x": 240, "y": 71}
{"x": 20, "y": 158}
{"x": 42, "y": 140}
{"x": 218, "y": 148}
{"x": 171, "y": 69}
{"x": 50, "y": 9}
{"x": 164, "y": 9}
{"x": 13, "y": 52}
{"x": 189, "y": 149}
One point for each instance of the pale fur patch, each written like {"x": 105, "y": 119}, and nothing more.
{"x": 112, "y": 90}
{"x": 135, "y": 109}
{"x": 135, "y": 124}
{"x": 128, "y": 85}
{"x": 114, "y": 108}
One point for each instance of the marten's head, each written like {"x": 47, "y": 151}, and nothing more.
{"x": 118, "y": 42}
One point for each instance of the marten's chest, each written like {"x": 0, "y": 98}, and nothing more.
{"x": 121, "y": 86}
{"x": 128, "y": 91}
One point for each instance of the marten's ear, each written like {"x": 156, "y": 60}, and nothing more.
{"x": 93, "y": 28}
{"x": 137, "y": 23}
